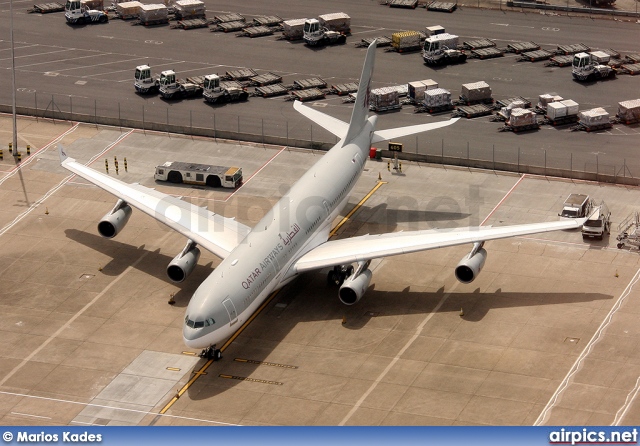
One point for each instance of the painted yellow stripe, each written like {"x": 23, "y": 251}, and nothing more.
{"x": 357, "y": 206}
{"x": 173, "y": 369}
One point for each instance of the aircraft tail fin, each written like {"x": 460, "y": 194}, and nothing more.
{"x": 360, "y": 111}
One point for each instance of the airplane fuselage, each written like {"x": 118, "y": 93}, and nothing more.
{"x": 262, "y": 262}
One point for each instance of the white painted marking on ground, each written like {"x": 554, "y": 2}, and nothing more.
{"x": 38, "y": 54}
{"x": 555, "y": 398}
{"x": 29, "y": 415}
{"x": 627, "y": 404}
{"x": 60, "y": 60}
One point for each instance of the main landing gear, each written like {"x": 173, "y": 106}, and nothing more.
{"x": 338, "y": 274}
{"x": 211, "y": 353}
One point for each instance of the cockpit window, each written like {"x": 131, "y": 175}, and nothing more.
{"x": 198, "y": 324}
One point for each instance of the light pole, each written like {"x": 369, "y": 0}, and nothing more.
{"x": 13, "y": 85}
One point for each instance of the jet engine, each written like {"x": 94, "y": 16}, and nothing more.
{"x": 183, "y": 264}
{"x": 471, "y": 264}
{"x": 355, "y": 286}
{"x": 112, "y": 223}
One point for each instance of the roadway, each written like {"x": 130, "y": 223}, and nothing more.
{"x": 89, "y": 70}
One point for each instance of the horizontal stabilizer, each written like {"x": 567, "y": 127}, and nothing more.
{"x": 329, "y": 123}
{"x": 387, "y": 135}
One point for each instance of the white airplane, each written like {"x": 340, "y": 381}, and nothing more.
{"x": 293, "y": 236}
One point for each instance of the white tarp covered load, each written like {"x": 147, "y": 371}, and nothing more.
{"x": 437, "y": 97}
{"x": 153, "y": 13}
{"x": 629, "y": 110}
{"x": 572, "y": 106}
{"x": 293, "y": 29}
{"x": 128, "y": 10}
{"x": 547, "y": 98}
{"x": 556, "y": 110}
{"x": 186, "y": 9}
{"x": 384, "y": 97}
{"x": 417, "y": 89}
{"x": 520, "y": 117}
{"x": 595, "y": 116}
{"x": 337, "y": 21}
{"x": 476, "y": 91}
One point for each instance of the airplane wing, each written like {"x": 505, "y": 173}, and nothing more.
{"x": 366, "y": 247}
{"x": 213, "y": 232}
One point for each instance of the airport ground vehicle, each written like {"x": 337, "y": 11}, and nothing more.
{"x": 144, "y": 82}
{"x": 170, "y": 88}
{"x": 201, "y": 174}
{"x": 442, "y": 49}
{"x": 78, "y": 12}
{"x": 598, "y": 223}
{"x": 219, "y": 92}
{"x": 327, "y": 29}
{"x": 576, "y": 206}
{"x": 591, "y": 66}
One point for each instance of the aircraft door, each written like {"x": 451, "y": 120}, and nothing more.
{"x": 231, "y": 309}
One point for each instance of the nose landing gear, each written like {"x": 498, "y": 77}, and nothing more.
{"x": 211, "y": 353}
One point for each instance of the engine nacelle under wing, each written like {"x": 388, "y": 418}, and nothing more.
{"x": 470, "y": 266}
{"x": 113, "y": 222}
{"x": 183, "y": 264}
{"x": 353, "y": 289}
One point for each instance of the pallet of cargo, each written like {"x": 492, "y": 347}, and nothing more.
{"x": 344, "y": 89}
{"x": 228, "y": 27}
{"x": 265, "y": 79}
{"x": 572, "y": 49}
{"x": 559, "y": 61}
{"x": 190, "y": 24}
{"x": 268, "y": 20}
{"x": 486, "y": 53}
{"x": 522, "y": 47}
{"x": 314, "y": 82}
{"x": 631, "y": 69}
{"x": 46, "y": 8}
{"x": 310, "y": 94}
{"x": 403, "y": 4}
{"x": 472, "y": 111}
{"x": 226, "y": 18}
{"x": 243, "y": 74}
{"x": 506, "y": 102}
{"x": 442, "y": 6}
{"x": 535, "y": 56}
{"x": 268, "y": 91}
{"x": 478, "y": 44}
{"x": 381, "y": 41}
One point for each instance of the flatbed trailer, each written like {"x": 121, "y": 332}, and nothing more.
{"x": 632, "y": 58}
{"x": 535, "y": 56}
{"x": 255, "y": 31}
{"x": 478, "y": 44}
{"x": 314, "y": 82}
{"x": 433, "y": 109}
{"x": 564, "y": 120}
{"x": 379, "y": 109}
{"x": 522, "y": 47}
{"x": 465, "y": 101}
{"x": 190, "y": 24}
{"x": 572, "y": 49}
{"x": 591, "y": 128}
{"x": 506, "y": 102}
{"x": 631, "y": 69}
{"x": 268, "y": 91}
{"x": 310, "y": 94}
{"x": 46, "y": 8}
{"x": 472, "y": 111}
{"x": 486, "y": 53}
{"x": 520, "y": 128}
{"x": 381, "y": 41}
{"x": 442, "y": 6}
{"x": 268, "y": 20}
{"x": 225, "y": 18}
{"x": 411, "y": 4}
{"x": 265, "y": 79}
{"x": 243, "y": 74}
{"x": 559, "y": 61}
{"x": 228, "y": 27}
{"x": 344, "y": 89}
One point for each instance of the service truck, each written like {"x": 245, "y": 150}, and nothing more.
{"x": 78, "y": 12}
{"x": 591, "y": 66}
{"x": 598, "y": 223}
{"x": 576, "y": 206}
{"x": 170, "y": 88}
{"x": 200, "y": 174}
{"x": 144, "y": 82}
{"x": 442, "y": 49}
{"x": 327, "y": 29}
{"x": 216, "y": 92}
